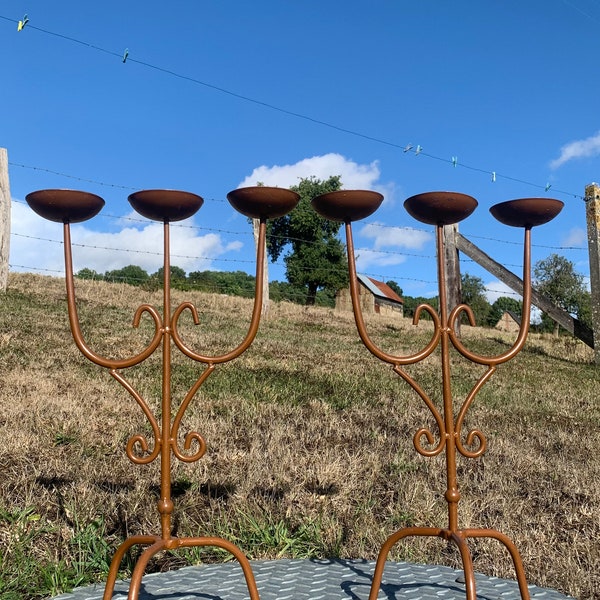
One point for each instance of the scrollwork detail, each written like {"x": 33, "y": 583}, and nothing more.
{"x": 473, "y": 435}
{"x": 139, "y": 439}
{"x": 425, "y": 433}
{"x": 143, "y": 457}
{"x": 190, "y": 438}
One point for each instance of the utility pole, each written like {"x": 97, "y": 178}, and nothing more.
{"x": 4, "y": 219}
{"x": 592, "y": 213}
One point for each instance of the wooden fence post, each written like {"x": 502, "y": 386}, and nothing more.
{"x": 452, "y": 269}
{"x": 264, "y": 311}
{"x": 4, "y": 219}
{"x": 592, "y": 213}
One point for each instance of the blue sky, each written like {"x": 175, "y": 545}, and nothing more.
{"x": 220, "y": 94}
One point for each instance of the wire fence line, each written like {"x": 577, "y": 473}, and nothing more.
{"x": 245, "y": 262}
{"x": 248, "y": 232}
{"x": 406, "y": 148}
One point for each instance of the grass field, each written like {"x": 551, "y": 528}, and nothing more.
{"x": 310, "y": 450}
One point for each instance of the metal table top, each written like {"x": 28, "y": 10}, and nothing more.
{"x": 300, "y": 579}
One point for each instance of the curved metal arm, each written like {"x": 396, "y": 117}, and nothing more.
{"x": 255, "y": 320}
{"x": 139, "y": 441}
{"x": 423, "y": 432}
{"x": 473, "y": 434}
{"x": 76, "y": 329}
{"x": 360, "y": 324}
{"x": 192, "y": 435}
{"x": 525, "y": 317}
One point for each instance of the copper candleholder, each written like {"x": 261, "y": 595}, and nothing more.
{"x": 71, "y": 206}
{"x": 440, "y": 209}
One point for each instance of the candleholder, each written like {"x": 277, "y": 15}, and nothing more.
{"x": 72, "y": 206}
{"x": 440, "y": 209}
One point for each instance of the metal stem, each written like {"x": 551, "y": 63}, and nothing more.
{"x": 452, "y": 494}
{"x": 165, "y": 504}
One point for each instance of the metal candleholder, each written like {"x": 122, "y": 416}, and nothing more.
{"x": 440, "y": 209}
{"x": 71, "y": 206}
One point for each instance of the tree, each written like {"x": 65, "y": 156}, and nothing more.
{"x": 395, "y": 287}
{"x": 131, "y": 274}
{"x": 584, "y": 310}
{"x": 556, "y": 278}
{"x": 177, "y": 276}
{"x": 316, "y": 259}
{"x": 89, "y": 274}
{"x": 411, "y": 303}
{"x": 473, "y": 294}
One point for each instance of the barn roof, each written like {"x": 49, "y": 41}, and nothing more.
{"x": 514, "y": 316}
{"x": 379, "y": 289}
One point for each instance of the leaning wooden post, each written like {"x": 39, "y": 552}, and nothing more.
{"x": 592, "y": 212}
{"x": 452, "y": 269}
{"x": 4, "y": 219}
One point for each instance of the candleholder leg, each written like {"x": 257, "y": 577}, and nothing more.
{"x": 233, "y": 550}
{"x": 513, "y": 551}
{"x": 155, "y": 545}
{"x": 467, "y": 561}
{"x": 141, "y": 540}
{"x": 140, "y": 568}
{"x": 387, "y": 547}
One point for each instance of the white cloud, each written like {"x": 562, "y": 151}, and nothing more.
{"x": 395, "y": 237}
{"x": 353, "y": 175}
{"x": 575, "y": 237}
{"x": 366, "y": 258}
{"x": 577, "y": 149}
{"x": 497, "y": 289}
{"x": 36, "y": 244}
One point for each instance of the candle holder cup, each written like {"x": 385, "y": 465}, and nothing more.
{"x": 440, "y": 209}
{"x": 72, "y": 206}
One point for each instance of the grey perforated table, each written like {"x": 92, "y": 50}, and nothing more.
{"x": 334, "y": 579}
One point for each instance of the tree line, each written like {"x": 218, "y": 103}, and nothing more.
{"x": 231, "y": 283}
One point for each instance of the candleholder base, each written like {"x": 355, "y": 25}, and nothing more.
{"x": 459, "y": 538}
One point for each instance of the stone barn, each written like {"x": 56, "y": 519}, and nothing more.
{"x": 375, "y": 297}
{"x": 509, "y": 321}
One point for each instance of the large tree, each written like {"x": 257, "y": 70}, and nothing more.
{"x": 316, "y": 256}
{"x": 556, "y": 278}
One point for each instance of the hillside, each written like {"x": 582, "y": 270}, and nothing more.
{"x": 309, "y": 437}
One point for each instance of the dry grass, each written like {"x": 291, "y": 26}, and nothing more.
{"x": 309, "y": 442}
